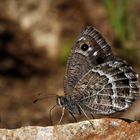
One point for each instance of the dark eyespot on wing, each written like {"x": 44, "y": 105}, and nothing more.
{"x": 79, "y": 63}
{"x": 101, "y": 50}
{"x": 84, "y": 47}
{"x": 97, "y": 80}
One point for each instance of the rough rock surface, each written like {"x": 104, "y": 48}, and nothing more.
{"x": 104, "y": 129}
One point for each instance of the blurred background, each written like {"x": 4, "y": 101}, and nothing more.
{"x": 35, "y": 40}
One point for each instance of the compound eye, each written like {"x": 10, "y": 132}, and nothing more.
{"x": 84, "y": 47}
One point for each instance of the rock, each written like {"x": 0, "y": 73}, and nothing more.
{"x": 104, "y": 129}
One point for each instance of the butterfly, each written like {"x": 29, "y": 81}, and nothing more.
{"x": 96, "y": 82}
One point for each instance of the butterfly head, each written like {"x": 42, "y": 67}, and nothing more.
{"x": 70, "y": 105}
{"x": 62, "y": 101}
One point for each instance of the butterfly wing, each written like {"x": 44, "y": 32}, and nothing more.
{"x": 82, "y": 60}
{"x": 107, "y": 88}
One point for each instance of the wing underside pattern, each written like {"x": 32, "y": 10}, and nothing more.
{"x": 79, "y": 62}
{"x": 96, "y": 80}
{"x": 107, "y": 88}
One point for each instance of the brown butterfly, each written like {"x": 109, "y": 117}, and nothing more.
{"x": 96, "y": 82}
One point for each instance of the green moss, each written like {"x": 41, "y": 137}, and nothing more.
{"x": 119, "y": 14}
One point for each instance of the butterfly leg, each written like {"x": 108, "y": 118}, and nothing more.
{"x": 50, "y": 113}
{"x": 86, "y": 117}
{"x": 62, "y": 115}
{"x": 73, "y": 116}
{"x": 92, "y": 116}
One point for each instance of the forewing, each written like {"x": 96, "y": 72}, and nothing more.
{"x": 80, "y": 62}
{"x": 107, "y": 88}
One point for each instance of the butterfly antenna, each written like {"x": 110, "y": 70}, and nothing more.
{"x": 50, "y": 113}
{"x": 42, "y": 98}
{"x": 39, "y": 99}
{"x": 86, "y": 116}
{"x": 35, "y": 100}
{"x": 63, "y": 111}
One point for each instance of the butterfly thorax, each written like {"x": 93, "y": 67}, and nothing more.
{"x": 69, "y": 104}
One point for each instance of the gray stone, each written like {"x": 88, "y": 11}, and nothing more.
{"x": 105, "y": 129}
